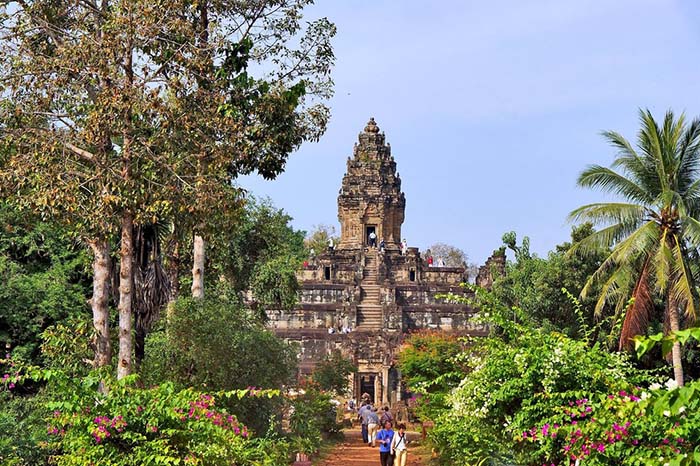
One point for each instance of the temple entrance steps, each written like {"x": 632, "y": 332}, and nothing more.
{"x": 369, "y": 294}
{"x": 369, "y": 317}
{"x": 369, "y": 274}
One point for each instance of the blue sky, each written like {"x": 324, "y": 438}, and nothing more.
{"x": 492, "y": 108}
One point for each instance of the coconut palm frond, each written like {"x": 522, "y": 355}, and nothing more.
{"x": 639, "y": 310}
{"x": 629, "y": 215}
{"x": 691, "y": 228}
{"x": 614, "y": 290}
{"x": 662, "y": 263}
{"x": 610, "y": 181}
{"x": 638, "y": 243}
{"x": 689, "y": 155}
{"x": 684, "y": 288}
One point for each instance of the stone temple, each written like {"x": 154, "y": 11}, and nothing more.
{"x": 368, "y": 298}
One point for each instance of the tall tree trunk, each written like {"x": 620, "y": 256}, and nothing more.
{"x": 173, "y": 271}
{"x": 676, "y": 352}
{"x": 198, "y": 267}
{"x": 126, "y": 274}
{"x": 100, "y": 301}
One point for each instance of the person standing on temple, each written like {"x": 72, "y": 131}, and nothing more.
{"x": 373, "y": 239}
{"x": 382, "y": 245}
{"x": 331, "y": 245}
{"x": 404, "y": 247}
{"x": 384, "y": 437}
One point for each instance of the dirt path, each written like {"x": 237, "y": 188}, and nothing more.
{"x": 353, "y": 452}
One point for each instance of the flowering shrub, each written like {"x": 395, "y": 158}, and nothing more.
{"x": 129, "y": 425}
{"x": 160, "y": 425}
{"x": 640, "y": 426}
{"x": 519, "y": 377}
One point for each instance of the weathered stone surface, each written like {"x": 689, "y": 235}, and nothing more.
{"x": 369, "y": 299}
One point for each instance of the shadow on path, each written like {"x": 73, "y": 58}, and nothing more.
{"x": 353, "y": 452}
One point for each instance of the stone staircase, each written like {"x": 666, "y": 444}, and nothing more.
{"x": 369, "y": 310}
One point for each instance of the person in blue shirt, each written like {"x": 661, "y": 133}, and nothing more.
{"x": 384, "y": 438}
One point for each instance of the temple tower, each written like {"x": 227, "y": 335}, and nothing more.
{"x": 370, "y": 197}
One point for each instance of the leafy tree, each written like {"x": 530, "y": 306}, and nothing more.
{"x": 118, "y": 114}
{"x": 217, "y": 344}
{"x": 428, "y": 363}
{"x": 331, "y": 374}
{"x": 317, "y": 239}
{"x": 262, "y": 233}
{"x": 654, "y": 231}
{"x": 452, "y": 255}
{"x": 542, "y": 287}
{"x": 44, "y": 280}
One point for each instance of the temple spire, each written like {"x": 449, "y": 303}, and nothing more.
{"x": 370, "y": 197}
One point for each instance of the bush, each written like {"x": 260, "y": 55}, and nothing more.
{"x": 331, "y": 374}
{"x": 313, "y": 415}
{"x": 213, "y": 344}
{"x": 519, "y": 377}
{"x": 642, "y": 426}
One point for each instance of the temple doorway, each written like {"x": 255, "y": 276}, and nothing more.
{"x": 367, "y": 385}
{"x": 369, "y": 229}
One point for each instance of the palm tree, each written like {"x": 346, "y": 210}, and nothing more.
{"x": 654, "y": 230}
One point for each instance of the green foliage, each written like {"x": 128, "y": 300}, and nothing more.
{"x": 535, "y": 285}
{"x": 428, "y": 362}
{"x": 125, "y": 424}
{"x": 643, "y": 345}
{"x": 262, "y": 234}
{"x": 516, "y": 378}
{"x": 44, "y": 280}
{"x": 655, "y": 425}
{"x": 274, "y": 283}
{"x": 23, "y": 428}
{"x": 331, "y": 374}
{"x": 214, "y": 344}
{"x": 313, "y": 414}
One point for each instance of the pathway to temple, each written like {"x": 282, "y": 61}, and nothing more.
{"x": 353, "y": 452}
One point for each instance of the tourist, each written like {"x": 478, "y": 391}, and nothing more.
{"x": 386, "y": 416}
{"x": 331, "y": 245}
{"x": 404, "y": 246}
{"x": 398, "y": 446}
{"x": 430, "y": 260}
{"x": 382, "y": 245}
{"x": 363, "y": 416}
{"x": 372, "y": 427}
{"x": 440, "y": 261}
{"x": 373, "y": 239}
{"x": 384, "y": 437}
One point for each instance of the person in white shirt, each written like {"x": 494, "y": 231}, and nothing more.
{"x": 398, "y": 446}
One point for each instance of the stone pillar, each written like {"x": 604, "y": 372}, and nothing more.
{"x": 385, "y": 385}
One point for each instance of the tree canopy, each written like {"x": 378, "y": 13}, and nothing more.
{"x": 654, "y": 231}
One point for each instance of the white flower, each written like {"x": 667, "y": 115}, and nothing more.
{"x": 654, "y": 386}
{"x": 667, "y": 413}
{"x": 645, "y": 395}
{"x": 681, "y": 409}
{"x": 671, "y": 384}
